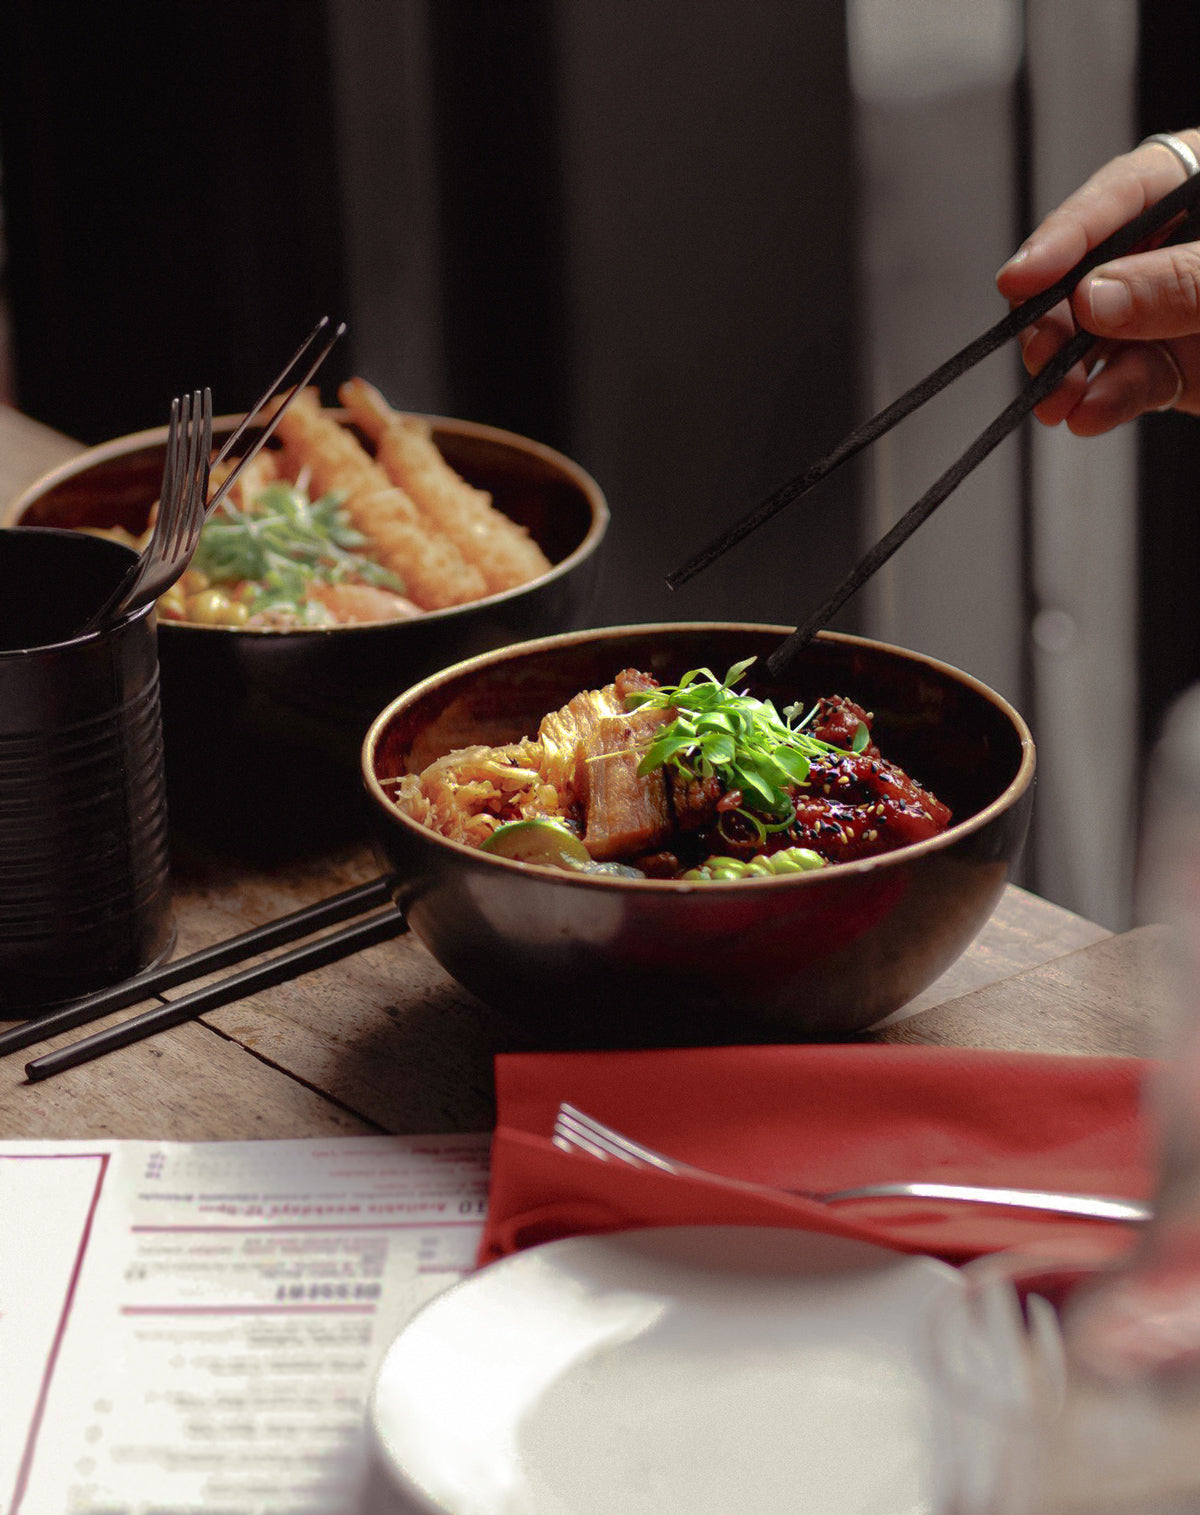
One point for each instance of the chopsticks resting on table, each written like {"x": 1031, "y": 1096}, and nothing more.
{"x": 1171, "y": 218}
{"x": 380, "y": 923}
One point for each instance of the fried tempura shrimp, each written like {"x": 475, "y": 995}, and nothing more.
{"x": 499, "y": 547}
{"x": 433, "y": 570}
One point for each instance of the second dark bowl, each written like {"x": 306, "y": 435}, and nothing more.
{"x": 263, "y": 729}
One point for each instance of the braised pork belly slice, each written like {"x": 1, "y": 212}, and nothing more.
{"x": 626, "y": 813}
{"x": 566, "y": 736}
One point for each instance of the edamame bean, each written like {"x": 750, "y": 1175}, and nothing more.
{"x": 796, "y": 860}
{"x": 763, "y": 865}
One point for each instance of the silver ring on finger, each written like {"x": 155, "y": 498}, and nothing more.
{"x": 1176, "y": 145}
{"x": 1176, "y": 370}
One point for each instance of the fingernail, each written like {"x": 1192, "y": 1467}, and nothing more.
{"x": 1109, "y": 301}
{"x": 1025, "y": 340}
{"x": 1017, "y": 258}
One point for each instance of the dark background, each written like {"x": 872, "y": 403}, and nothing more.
{"x": 1169, "y": 454}
{"x": 630, "y": 231}
{"x": 634, "y": 243}
{"x": 170, "y": 201}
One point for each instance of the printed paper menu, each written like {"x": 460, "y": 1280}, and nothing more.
{"x": 189, "y": 1328}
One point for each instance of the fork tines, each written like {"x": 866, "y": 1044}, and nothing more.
{"x": 575, "y": 1131}
{"x": 198, "y": 419}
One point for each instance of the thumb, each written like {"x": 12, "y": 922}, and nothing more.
{"x": 1143, "y": 298}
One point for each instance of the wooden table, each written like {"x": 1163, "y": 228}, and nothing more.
{"x": 386, "y": 1041}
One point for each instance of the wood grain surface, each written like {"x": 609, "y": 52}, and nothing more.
{"x": 387, "y": 1041}
{"x": 1107, "y": 999}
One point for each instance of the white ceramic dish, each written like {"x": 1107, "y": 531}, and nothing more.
{"x": 696, "y": 1369}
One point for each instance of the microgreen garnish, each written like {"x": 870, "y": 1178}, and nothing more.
{"x": 862, "y": 732}
{"x": 717, "y": 731}
{"x": 284, "y": 541}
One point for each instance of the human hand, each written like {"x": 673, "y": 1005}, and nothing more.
{"x": 1145, "y": 307}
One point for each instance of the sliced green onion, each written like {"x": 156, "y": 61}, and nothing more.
{"x": 283, "y": 542}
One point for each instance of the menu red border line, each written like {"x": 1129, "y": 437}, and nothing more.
{"x": 35, "y": 1425}
{"x": 331, "y": 1309}
{"x": 342, "y": 1226}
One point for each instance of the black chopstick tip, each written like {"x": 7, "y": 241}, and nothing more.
{"x": 682, "y": 575}
{"x": 704, "y": 559}
{"x": 778, "y": 663}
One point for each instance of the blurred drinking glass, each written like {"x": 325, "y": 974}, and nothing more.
{"x": 1025, "y": 1425}
{"x": 1168, "y": 892}
{"x": 1071, "y": 1384}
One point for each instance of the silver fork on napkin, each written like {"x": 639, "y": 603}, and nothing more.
{"x": 575, "y": 1131}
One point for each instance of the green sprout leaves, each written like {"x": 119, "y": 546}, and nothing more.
{"x": 744, "y": 742}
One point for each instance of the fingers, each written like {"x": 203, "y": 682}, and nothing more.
{"x": 1150, "y": 297}
{"x": 1039, "y": 343}
{"x": 1136, "y": 378}
{"x": 1145, "y": 308}
{"x": 1113, "y": 196}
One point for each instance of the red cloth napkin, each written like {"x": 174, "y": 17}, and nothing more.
{"x": 821, "y": 1117}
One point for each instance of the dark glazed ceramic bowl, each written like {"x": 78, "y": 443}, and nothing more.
{"x": 263, "y": 729}
{"x": 598, "y": 961}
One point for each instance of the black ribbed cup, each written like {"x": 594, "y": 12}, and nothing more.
{"x": 84, "y": 880}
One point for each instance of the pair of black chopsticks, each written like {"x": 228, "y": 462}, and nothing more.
{"x": 381, "y": 922}
{"x": 1180, "y": 203}
{"x": 267, "y": 398}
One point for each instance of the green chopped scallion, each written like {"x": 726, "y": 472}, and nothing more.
{"x": 283, "y": 542}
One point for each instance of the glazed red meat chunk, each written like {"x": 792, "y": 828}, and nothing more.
{"x": 857, "y": 805}
{"x": 836, "y": 721}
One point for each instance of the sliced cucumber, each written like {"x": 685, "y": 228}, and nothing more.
{"x": 538, "y": 841}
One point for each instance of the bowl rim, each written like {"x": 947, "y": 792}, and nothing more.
{"x": 815, "y": 878}
{"x": 135, "y": 441}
